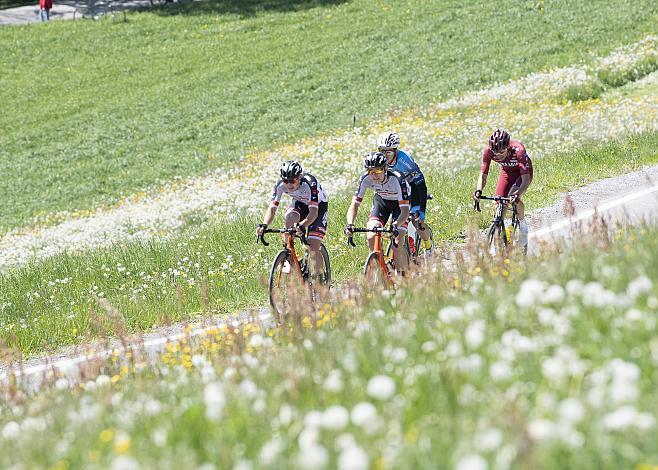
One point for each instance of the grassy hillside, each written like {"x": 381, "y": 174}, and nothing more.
{"x": 96, "y": 110}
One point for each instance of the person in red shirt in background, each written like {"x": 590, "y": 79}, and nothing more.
{"x": 515, "y": 174}
{"x": 44, "y": 9}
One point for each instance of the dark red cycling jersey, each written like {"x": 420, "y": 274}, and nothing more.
{"x": 516, "y": 161}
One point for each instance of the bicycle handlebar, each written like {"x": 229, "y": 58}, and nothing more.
{"x": 350, "y": 238}
{"x": 289, "y": 231}
{"x": 503, "y": 199}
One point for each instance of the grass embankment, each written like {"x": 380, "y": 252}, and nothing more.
{"x": 220, "y": 269}
{"x": 93, "y": 111}
{"x": 502, "y": 367}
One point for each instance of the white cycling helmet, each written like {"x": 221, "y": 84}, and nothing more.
{"x": 388, "y": 140}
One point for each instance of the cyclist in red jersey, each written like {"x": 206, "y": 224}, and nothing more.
{"x": 515, "y": 175}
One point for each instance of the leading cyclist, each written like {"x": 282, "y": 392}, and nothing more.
{"x": 307, "y": 210}
{"x": 403, "y": 162}
{"x": 391, "y": 200}
{"x": 515, "y": 175}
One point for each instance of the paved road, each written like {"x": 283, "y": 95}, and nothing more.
{"x": 66, "y": 10}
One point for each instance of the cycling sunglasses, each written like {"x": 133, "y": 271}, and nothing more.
{"x": 376, "y": 171}
{"x": 386, "y": 149}
{"x": 289, "y": 181}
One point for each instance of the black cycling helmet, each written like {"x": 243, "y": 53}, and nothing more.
{"x": 499, "y": 141}
{"x": 375, "y": 160}
{"x": 290, "y": 169}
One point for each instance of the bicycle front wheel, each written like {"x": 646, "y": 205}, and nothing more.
{"x": 326, "y": 270}
{"x": 280, "y": 284}
{"x": 373, "y": 272}
{"x": 496, "y": 239}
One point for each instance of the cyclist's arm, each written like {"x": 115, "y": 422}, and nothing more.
{"x": 352, "y": 211}
{"x": 525, "y": 182}
{"x": 269, "y": 214}
{"x": 403, "y": 201}
{"x": 482, "y": 182}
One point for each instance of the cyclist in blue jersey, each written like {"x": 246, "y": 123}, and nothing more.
{"x": 403, "y": 163}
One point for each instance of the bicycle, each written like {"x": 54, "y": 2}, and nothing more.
{"x": 287, "y": 270}
{"x": 380, "y": 265}
{"x": 498, "y": 234}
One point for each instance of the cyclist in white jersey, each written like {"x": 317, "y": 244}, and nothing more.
{"x": 391, "y": 200}
{"x": 307, "y": 210}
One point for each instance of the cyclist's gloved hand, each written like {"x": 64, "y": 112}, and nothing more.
{"x": 260, "y": 229}
{"x": 477, "y": 194}
{"x": 514, "y": 198}
{"x": 348, "y": 230}
{"x": 395, "y": 230}
{"x": 301, "y": 230}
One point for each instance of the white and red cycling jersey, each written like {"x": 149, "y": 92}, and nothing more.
{"x": 394, "y": 188}
{"x": 309, "y": 192}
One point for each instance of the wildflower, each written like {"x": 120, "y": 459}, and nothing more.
{"x": 248, "y": 388}
{"x": 270, "y": 451}
{"x": 571, "y": 410}
{"x": 214, "y": 399}
{"x": 553, "y": 295}
{"x": 488, "y": 440}
{"x": 541, "y": 429}
{"x": 450, "y": 314}
{"x": 639, "y": 286}
{"x": 334, "y": 381}
{"x": 11, "y": 430}
{"x": 529, "y": 292}
{"x": 381, "y": 387}
{"x": 474, "y": 334}
{"x": 353, "y": 457}
{"x": 471, "y": 462}
{"x": 500, "y": 371}
{"x": 312, "y": 456}
{"x": 364, "y": 414}
{"x": 123, "y": 462}
{"x": 335, "y": 418}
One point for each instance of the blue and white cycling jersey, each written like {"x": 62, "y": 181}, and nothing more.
{"x": 409, "y": 169}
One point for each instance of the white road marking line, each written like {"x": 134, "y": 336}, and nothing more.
{"x": 66, "y": 363}
{"x": 590, "y": 212}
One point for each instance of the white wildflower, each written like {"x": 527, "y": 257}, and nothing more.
{"x": 334, "y": 381}
{"x": 500, "y": 371}
{"x": 474, "y": 334}
{"x": 11, "y": 430}
{"x": 312, "y": 456}
{"x": 215, "y": 400}
{"x": 248, "y": 389}
{"x": 381, "y": 387}
{"x": 639, "y": 286}
{"x": 124, "y": 462}
{"x": 451, "y": 314}
{"x": 553, "y": 295}
{"x": 541, "y": 429}
{"x": 270, "y": 451}
{"x": 353, "y": 458}
{"x": 488, "y": 439}
{"x": 471, "y": 462}
{"x": 335, "y": 418}
{"x": 571, "y": 410}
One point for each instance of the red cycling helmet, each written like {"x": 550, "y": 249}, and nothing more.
{"x": 499, "y": 141}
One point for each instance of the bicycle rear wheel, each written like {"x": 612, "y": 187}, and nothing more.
{"x": 372, "y": 271}
{"x": 326, "y": 269}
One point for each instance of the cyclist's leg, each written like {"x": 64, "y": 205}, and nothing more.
{"x": 401, "y": 255}
{"x": 295, "y": 213}
{"x": 418, "y": 208}
{"x": 316, "y": 233}
{"x": 378, "y": 217}
{"x": 520, "y": 214}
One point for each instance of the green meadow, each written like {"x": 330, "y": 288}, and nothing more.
{"x": 94, "y": 111}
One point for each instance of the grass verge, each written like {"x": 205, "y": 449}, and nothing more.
{"x": 553, "y": 365}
